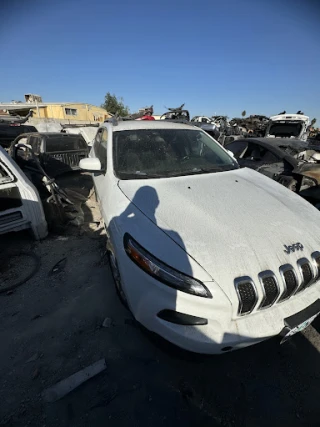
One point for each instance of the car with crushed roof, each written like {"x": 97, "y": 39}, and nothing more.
{"x": 10, "y": 131}
{"x": 291, "y": 162}
{"x": 57, "y": 152}
{"x": 210, "y": 256}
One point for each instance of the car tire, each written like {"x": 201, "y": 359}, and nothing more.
{"x": 117, "y": 278}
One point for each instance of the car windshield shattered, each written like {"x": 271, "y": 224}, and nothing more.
{"x": 159, "y": 153}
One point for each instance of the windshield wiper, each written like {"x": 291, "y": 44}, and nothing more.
{"x": 196, "y": 171}
{"x": 139, "y": 175}
{"x": 202, "y": 170}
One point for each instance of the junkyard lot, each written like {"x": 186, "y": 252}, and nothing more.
{"x": 51, "y": 327}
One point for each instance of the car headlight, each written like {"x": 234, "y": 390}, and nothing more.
{"x": 163, "y": 272}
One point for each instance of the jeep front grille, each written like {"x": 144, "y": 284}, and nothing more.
{"x": 247, "y": 295}
{"x": 294, "y": 280}
{"x": 290, "y": 281}
{"x": 306, "y": 273}
{"x": 270, "y": 288}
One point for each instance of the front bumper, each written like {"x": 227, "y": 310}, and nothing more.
{"x": 223, "y": 332}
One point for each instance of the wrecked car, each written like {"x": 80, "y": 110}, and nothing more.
{"x": 9, "y": 132}
{"x": 202, "y": 252}
{"x": 20, "y": 204}
{"x": 176, "y": 114}
{"x": 293, "y": 163}
{"x": 179, "y": 114}
{"x": 57, "y": 152}
{"x": 11, "y": 126}
{"x": 207, "y": 125}
{"x": 284, "y": 125}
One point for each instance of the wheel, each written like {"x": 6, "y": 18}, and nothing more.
{"x": 117, "y": 279}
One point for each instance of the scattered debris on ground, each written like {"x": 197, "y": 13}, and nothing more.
{"x": 65, "y": 386}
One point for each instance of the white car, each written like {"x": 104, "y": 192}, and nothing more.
{"x": 209, "y": 256}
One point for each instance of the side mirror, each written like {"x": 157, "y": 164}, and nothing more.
{"x": 90, "y": 164}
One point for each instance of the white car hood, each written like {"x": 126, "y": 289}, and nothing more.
{"x": 233, "y": 223}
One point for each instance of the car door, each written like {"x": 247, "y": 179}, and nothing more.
{"x": 99, "y": 150}
{"x": 262, "y": 160}
{"x": 238, "y": 147}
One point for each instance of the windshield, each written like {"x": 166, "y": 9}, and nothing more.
{"x": 158, "y": 153}
{"x": 285, "y": 130}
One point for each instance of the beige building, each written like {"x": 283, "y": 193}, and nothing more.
{"x": 66, "y": 112}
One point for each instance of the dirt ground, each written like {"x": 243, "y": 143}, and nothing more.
{"x": 51, "y": 327}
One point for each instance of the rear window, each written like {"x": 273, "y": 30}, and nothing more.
{"x": 285, "y": 129}
{"x": 9, "y": 133}
{"x": 14, "y": 131}
{"x": 64, "y": 143}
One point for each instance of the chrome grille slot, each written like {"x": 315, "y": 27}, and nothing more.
{"x": 247, "y": 294}
{"x": 270, "y": 288}
{"x": 316, "y": 261}
{"x": 290, "y": 281}
{"x": 305, "y": 272}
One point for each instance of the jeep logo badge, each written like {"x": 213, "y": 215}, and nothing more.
{"x": 292, "y": 248}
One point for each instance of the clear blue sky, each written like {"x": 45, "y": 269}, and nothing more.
{"x": 216, "y": 56}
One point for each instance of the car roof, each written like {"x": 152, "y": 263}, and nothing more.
{"x": 151, "y": 124}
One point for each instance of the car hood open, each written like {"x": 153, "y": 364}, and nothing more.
{"x": 233, "y": 223}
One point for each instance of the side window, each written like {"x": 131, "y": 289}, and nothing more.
{"x": 237, "y": 147}
{"x": 97, "y": 141}
{"x": 104, "y": 136}
{"x": 254, "y": 152}
{"x": 269, "y": 157}
{"x": 97, "y": 138}
{"x": 101, "y": 151}
{"x": 258, "y": 153}
{"x": 35, "y": 143}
